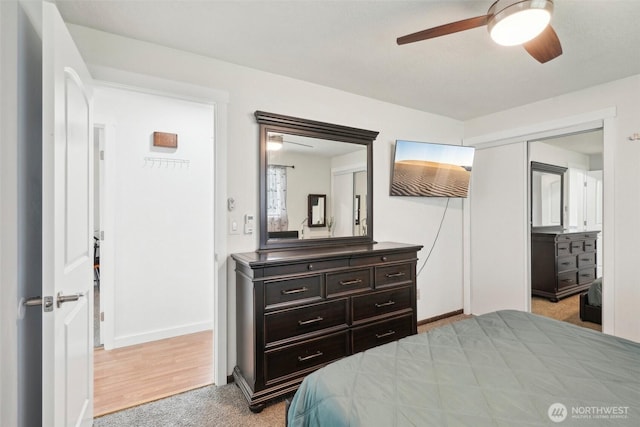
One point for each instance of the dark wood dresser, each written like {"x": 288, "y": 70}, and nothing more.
{"x": 298, "y": 310}
{"x": 562, "y": 264}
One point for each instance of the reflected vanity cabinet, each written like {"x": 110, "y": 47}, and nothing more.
{"x": 298, "y": 310}
{"x": 562, "y": 264}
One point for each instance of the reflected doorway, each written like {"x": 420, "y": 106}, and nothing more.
{"x": 582, "y": 155}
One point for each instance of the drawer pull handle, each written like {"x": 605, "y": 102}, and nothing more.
{"x": 312, "y": 356}
{"x": 568, "y": 280}
{"x": 386, "y": 334}
{"x": 383, "y": 258}
{"x": 585, "y": 275}
{"x": 295, "y": 291}
{"x": 398, "y": 274}
{"x": 350, "y": 282}
{"x": 310, "y": 321}
{"x": 385, "y": 304}
{"x": 585, "y": 259}
{"x": 566, "y": 263}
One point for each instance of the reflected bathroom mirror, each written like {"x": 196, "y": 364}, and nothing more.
{"x": 310, "y": 175}
{"x": 547, "y": 195}
{"x": 317, "y": 210}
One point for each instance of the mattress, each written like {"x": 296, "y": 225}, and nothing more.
{"x": 499, "y": 369}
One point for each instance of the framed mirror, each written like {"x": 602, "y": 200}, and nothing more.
{"x": 547, "y": 196}
{"x": 310, "y": 175}
{"x": 317, "y": 210}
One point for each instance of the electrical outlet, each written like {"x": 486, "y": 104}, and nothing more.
{"x": 417, "y": 294}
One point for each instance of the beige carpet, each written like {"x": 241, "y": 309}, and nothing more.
{"x": 567, "y": 310}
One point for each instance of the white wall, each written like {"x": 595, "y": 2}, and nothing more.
{"x": 621, "y": 180}
{"x": 545, "y": 153}
{"x": 161, "y": 276}
{"x": 399, "y": 219}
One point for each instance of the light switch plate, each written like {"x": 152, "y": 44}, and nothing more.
{"x": 234, "y": 225}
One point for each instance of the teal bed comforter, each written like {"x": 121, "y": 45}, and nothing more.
{"x": 505, "y": 368}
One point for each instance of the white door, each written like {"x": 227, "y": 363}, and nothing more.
{"x": 67, "y": 353}
{"x": 342, "y": 204}
{"x": 593, "y": 210}
{"x": 499, "y": 232}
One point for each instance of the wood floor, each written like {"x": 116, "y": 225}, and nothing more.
{"x": 133, "y": 375}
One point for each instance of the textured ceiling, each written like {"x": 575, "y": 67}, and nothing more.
{"x": 350, "y": 45}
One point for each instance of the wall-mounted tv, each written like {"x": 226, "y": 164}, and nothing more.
{"x": 431, "y": 170}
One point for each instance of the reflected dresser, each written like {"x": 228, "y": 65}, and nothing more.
{"x": 562, "y": 264}
{"x": 298, "y": 310}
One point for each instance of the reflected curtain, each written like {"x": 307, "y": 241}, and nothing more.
{"x": 277, "y": 219}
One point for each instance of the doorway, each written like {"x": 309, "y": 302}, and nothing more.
{"x": 156, "y": 238}
{"x": 582, "y": 156}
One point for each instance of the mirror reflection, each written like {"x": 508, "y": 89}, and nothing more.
{"x": 547, "y": 190}
{"x": 316, "y": 188}
{"x": 317, "y": 210}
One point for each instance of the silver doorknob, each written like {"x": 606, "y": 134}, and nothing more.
{"x": 61, "y": 299}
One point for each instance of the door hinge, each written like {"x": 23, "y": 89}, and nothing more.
{"x": 101, "y": 154}
{"x": 102, "y": 316}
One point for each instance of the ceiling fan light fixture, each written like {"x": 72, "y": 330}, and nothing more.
{"x": 274, "y": 142}
{"x": 514, "y": 22}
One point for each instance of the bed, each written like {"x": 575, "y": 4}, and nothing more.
{"x": 499, "y": 369}
{"x": 591, "y": 303}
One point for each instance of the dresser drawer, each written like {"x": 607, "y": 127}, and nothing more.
{"x": 380, "y": 333}
{"x": 564, "y": 248}
{"x": 567, "y": 280}
{"x": 383, "y": 258}
{"x": 589, "y": 245}
{"x": 298, "y": 290}
{"x": 586, "y": 259}
{"x": 577, "y": 247}
{"x": 393, "y": 274}
{"x": 380, "y": 303}
{"x": 305, "y": 267}
{"x": 567, "y": 263}
{"x": 349, "y": 282}
{"x": 586, "y": 275}
{"x": 306, "y": 356}
{"x": 303, "y": 320}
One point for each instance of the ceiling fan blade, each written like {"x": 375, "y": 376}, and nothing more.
{"x": 450, "y": 28}
{"x": 545, "y": 47}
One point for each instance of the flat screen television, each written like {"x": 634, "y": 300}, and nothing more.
{"x": 431, "y": 170}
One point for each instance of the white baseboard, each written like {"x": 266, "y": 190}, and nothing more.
{"x": 141, "y": 338}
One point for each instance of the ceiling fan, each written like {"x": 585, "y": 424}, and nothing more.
{"x": 276, "y": 141}
{"x": 510, "y": 23}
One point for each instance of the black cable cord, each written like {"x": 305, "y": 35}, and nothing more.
{"x": 436, "y": 239}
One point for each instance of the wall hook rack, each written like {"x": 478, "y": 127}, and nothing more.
{"x": 165, "y": 162}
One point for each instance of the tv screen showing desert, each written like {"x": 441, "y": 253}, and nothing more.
{"x": 431, "y": 170}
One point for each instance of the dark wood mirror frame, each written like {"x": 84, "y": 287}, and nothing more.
{"x": 552, "y": 169}
{"x": 313, "y": 200}
{"x": 271, "y": 122}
